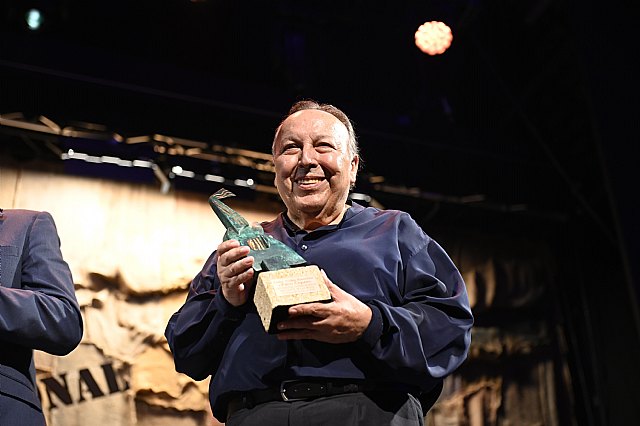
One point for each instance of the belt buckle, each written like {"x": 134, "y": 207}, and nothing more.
{"x": 283, "y": 392}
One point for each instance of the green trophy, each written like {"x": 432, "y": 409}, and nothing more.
{"x": 282, "y": 277}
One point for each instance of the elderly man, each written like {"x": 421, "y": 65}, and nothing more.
{"x": 398, "y": 323}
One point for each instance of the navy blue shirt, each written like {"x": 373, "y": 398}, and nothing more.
{"x": 420, "y": 329}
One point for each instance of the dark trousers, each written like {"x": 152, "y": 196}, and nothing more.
{"x": 351, "y": 409}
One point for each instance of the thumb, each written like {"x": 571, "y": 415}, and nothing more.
{"x": 327, "y": 281}
{"x": 333, "y": 288}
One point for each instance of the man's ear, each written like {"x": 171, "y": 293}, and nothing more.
{"x": 355, "y": 161}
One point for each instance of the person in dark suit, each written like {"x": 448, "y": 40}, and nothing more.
{"x": 38, "y": 309}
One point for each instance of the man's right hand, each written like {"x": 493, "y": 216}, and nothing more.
{"x": 234, "y": 271}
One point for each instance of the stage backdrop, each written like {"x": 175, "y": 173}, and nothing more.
{"x": 133, "y": 252}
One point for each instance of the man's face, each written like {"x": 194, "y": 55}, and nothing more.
{"x": 314, "y": 169}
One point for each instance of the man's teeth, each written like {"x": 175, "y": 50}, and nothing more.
{"x": 304, "y": 181}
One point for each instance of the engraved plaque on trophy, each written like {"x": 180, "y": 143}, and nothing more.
{"x": 282, "y": 277}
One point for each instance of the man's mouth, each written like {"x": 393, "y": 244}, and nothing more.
{"x": 308, "y": 181}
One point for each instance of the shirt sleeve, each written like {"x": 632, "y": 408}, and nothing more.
{"x": 43, "y": 313}
{"x": 198, "y": 333}
{"x": 427, "y": 335}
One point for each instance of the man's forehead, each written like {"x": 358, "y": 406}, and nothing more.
{"x": 317, "y": 119}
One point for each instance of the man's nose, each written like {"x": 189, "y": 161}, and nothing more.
{"x": 308, "y": 156}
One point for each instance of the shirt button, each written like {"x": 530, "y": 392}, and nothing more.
{"x": 304, "y": 247}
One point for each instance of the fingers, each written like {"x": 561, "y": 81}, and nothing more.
{"x": 230, "y": 257}
{"x": 235, "y": 268}
{"x": 234, "y": 271}
{"x": 342, "y": 320}
{"x": 318, "y": 310}
{"x": 236, "y": 274}
{"x": 229, "y": 251}
{"x": 301, "y": 328}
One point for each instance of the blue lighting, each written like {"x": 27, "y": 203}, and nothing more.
{"x": 34, "y": 19}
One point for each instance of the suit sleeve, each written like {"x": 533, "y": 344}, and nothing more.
{"x": 43, "y": 314}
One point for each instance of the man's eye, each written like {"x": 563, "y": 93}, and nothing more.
{"x": 290, "y": 148}
{"x": 324, "y": 147}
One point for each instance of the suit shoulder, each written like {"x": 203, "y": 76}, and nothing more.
{"x": 22, "y": 218}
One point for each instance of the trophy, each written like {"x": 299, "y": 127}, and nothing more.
{"x": 282, "y": 277}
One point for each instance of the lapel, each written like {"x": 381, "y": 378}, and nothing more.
{"x": 9, "y": 253}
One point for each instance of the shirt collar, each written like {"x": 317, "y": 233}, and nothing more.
{"x": 292, "y": 228}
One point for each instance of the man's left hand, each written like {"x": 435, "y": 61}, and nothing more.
{"x": 342, "y": 320}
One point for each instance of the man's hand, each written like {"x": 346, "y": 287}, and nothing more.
{"x": 234, "y": 271}
{"x": 342, "y": 320}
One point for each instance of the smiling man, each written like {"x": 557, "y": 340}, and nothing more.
{"x": 315, "y": 167}
{"x": 398, "y": 323}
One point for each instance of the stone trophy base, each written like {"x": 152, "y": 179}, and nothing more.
{"x": 276, "y": 291}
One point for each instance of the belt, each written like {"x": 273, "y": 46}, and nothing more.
{"x": 296, "y": 390}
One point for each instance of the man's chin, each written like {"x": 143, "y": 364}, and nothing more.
{"x": 309, "y": 208}
{"x": 309, "y": 205}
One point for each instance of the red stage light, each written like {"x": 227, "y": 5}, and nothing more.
{"x": 434, "y": 37}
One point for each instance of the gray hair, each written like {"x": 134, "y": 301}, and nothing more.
{"x": 336, "y": 112}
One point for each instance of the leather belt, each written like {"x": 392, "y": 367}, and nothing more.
{"x": 296, "y": 390}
